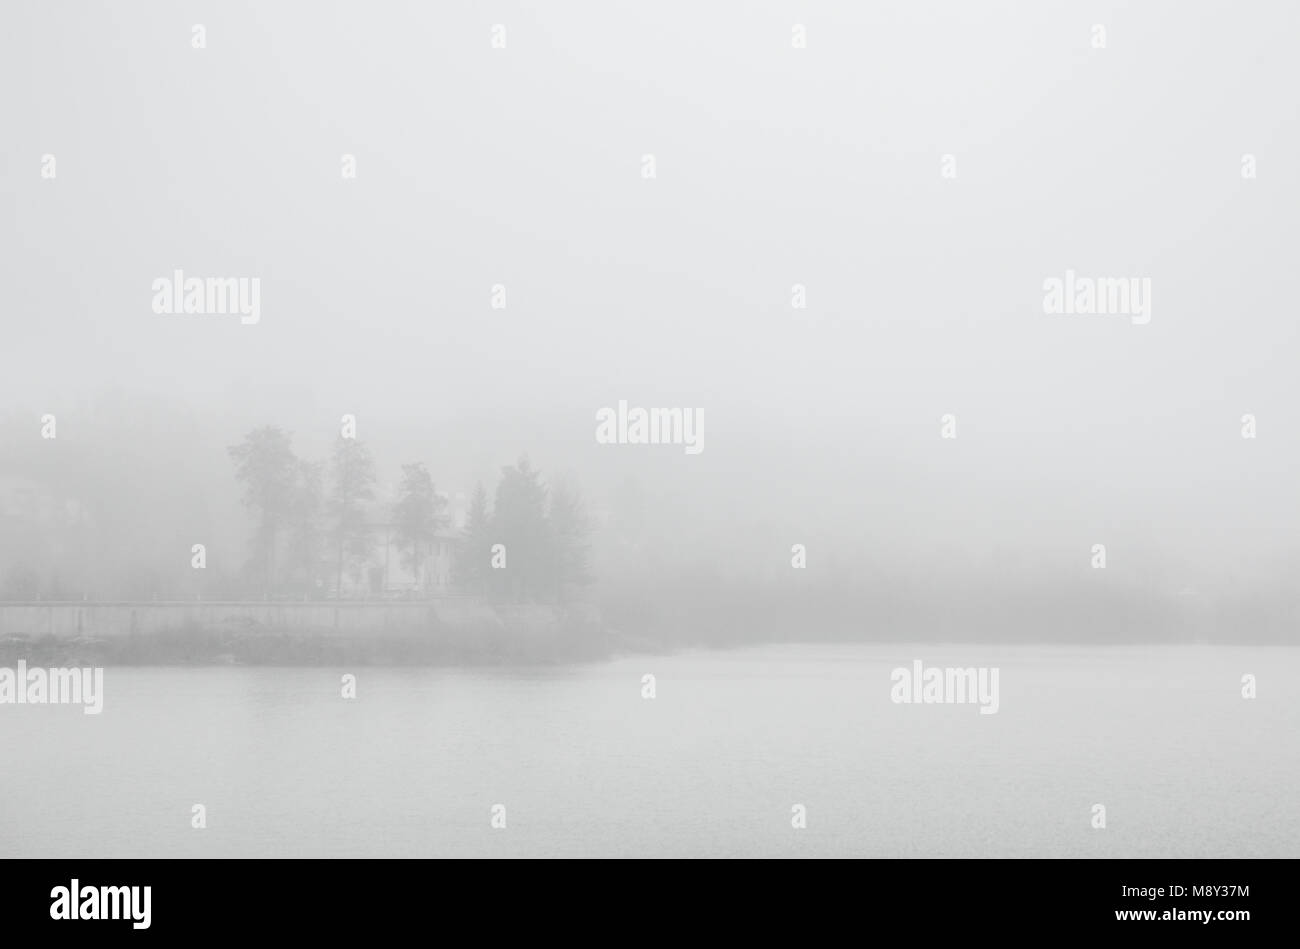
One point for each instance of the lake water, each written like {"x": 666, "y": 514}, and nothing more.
{"x": 710, "y": 767}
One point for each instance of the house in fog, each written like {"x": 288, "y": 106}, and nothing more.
{"x": 388, "y": 572}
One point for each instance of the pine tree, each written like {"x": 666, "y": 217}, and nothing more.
{"x": 570, "y": 533}
{"x": 417, "y": 516}
{"x": 266, "y": 466}
{"x": 475, "y": 548}
{"x": 304, "y": 525}
{"x": 519, "y": 522}
{"x": 354, "y": 479}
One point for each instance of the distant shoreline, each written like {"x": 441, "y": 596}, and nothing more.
{"x": 447, "y": 630}
{"x": 459, "y": 631}
{"x": 207, "y": 647}
{"x": 481, "y": 648}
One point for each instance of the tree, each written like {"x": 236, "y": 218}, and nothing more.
{"x": 475, "y": 547}
{"x": 266, "y": 466}
{"x": 417, "y": 516}
{"x": 570, "y": 533}
{"x": 354, "y": 479}
{"x": 519, "y": 522}
{"x": 304, "y": 527}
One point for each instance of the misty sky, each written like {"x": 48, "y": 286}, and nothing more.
{"x": 775, "y": 166}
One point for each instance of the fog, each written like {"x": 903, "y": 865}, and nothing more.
{"x": 524, "y": 167}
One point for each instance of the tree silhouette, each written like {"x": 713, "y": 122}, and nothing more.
{"x": 570, "y": 537}
{"x": 265, "y": 465}
{"x": 354, "y": 479}
{"x": 519, "y": 522}
{"x": 475, "y": 548}
{"x": 305, "y": 536}
{"x": 417, "y": 516}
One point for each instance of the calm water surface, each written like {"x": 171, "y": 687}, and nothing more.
{"x": 585, "y": 766}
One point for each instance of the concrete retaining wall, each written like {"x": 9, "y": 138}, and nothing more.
{"x": 114, "y": 620}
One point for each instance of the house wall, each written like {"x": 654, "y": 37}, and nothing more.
{"x": 433, "y": 576}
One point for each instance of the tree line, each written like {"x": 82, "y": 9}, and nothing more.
{"x": 531, "y": 545}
